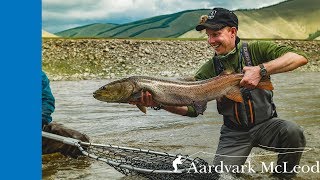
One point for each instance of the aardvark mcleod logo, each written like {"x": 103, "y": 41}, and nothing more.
{"x": 176, "y": 162}
{"x": 265, "y": 167}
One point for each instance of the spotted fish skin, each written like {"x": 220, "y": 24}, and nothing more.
{"x": 175, "y": 93}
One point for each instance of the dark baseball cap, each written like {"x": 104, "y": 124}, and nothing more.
{"x": 219, "y": 18}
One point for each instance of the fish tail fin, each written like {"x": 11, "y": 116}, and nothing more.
{"x": 142, "y": 108}
{"x": 235, "y": 95}
{"x": 265, "y": 84}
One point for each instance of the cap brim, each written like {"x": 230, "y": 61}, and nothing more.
{"x": 214, "y": 27}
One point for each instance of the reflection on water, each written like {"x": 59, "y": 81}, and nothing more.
{"x": 296, "y": 96}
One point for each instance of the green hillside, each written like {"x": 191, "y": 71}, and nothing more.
{"x": 293, "y": 19}
{"x": 315, "y": 36}
{"x": 164, "y": 26}
{"x": 85, "y": 31}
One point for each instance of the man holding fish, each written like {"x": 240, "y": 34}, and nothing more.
{"x": 244, "y": 98}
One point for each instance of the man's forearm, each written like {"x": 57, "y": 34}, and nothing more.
{"x": 287, "y": 62}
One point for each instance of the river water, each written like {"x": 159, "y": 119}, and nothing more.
{"x": 296, "y": 95}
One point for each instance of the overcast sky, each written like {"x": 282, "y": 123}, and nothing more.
{"x": 59, "y": 15}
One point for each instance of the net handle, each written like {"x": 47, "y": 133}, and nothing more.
{"x": 76, "y": 142}
{"x": 64, "y": 140}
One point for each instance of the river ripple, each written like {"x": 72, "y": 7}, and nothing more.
{"x": 296, "y": 96}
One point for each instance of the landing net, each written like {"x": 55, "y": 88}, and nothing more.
{"x": 142, "y": 162}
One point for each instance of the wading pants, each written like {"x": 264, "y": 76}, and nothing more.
{"x": 277, "y": 134}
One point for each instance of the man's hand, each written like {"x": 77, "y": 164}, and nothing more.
{"x": 251, "y": 77}
{"x": 52, "y": 146}
{"x": 145, "y": 100}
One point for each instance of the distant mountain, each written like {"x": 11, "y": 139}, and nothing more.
{"x": 90, "y": 30}
{"x": 172, "y": 25}
{"x": 293, "y": 19}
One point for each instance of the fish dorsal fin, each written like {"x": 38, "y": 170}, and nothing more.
{"x": 235, "y": 95}
{"x": 265, "y": 84}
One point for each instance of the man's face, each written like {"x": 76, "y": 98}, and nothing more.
{"x": 222, "y": 41}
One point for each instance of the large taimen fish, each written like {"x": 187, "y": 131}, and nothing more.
{"x": 175, "y": 93}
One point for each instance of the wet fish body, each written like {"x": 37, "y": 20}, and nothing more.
{"x": 175, "y": 93}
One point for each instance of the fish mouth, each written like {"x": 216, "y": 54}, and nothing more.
{"x": 98, "y": 94}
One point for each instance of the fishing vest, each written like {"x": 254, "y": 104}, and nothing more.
{"x": 257, "y": 105}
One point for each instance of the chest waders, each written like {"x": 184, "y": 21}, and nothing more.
{"x": 257, "y": 107}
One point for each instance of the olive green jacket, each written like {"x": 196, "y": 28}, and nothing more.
{"x": 260, "y": 52}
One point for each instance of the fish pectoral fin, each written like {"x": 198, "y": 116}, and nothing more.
{"x": 200, "y": 106}
{"x": 265, "y": 84}
{"x": 235, "y": 95}
{"x": 142, "y": 108}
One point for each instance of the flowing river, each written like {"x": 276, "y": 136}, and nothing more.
{"x": 296, "y": 96}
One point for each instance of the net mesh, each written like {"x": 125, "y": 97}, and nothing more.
{"x": 146, "y": 163}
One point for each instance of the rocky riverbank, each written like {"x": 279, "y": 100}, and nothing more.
{"x": 76, "y": 59}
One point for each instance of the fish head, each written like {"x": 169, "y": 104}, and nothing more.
{"x": 116, "y": 91}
